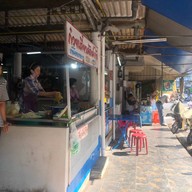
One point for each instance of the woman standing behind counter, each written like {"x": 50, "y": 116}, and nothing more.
{"x": 33, "y": 89}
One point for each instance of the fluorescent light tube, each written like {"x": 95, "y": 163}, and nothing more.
{"x": 142, "y": 55}
{"x": 119, "y": 61}
{"x": 35, "y": 52}
{"x": 155, "y": 40}
{"x": 147, "y": 40}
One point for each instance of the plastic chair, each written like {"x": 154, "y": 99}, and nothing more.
{"x": 139, "y": 140}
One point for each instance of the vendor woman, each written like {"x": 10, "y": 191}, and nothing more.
{"x": 33, "y": 89}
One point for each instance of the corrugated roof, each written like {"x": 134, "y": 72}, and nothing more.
{"x": 41, "y": 17}
{"x": 41, "y": 25}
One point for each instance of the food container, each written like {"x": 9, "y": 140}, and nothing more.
{"x": 55, "y": 109}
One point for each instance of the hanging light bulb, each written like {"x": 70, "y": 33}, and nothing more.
{"x": 74, "y": 65}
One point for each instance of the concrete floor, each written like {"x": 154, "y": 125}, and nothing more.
{"x": 166, "y": 168}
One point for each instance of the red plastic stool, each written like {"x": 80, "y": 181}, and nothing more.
{"x": 132, "y": 131}
{"x": 139, "y": 140}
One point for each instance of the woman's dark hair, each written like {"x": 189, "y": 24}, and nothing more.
{"x": 131, "y": 102}
{"x": 72, "y": 81}
{"x": 130, "y": 95}
{"x": 33, "y": 66}
{"x": 131, "y": 99}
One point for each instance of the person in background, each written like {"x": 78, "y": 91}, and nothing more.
{"x": 74, "y": 94}
{"x": 131, "y": 103}
{"x": 32, "y": 89}
{"x": 4, "y": 125}
{"x": 159, "y": 104}
{"x": 73, "y": 90}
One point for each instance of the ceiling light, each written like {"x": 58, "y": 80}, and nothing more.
{"x": 142, "y": 55}
{"x": 74, "y": 65}
{"x": 140, "y": 41}
{"x": 119, "y": 61}
{"x": 35, "y": 52}
{"x": 147, "y": 40}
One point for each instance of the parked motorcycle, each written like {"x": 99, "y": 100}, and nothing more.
{"x": 177, "y": 108}
{"x": 187, "y": 117}
{"x": 189, "y": 137}
{"x": 182, "y": 117}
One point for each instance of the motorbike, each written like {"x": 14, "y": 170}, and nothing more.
{"x": 189, "y": 138}
{"x": 182, "y": 115}
{"x": 177, "y": 109}
{"x": 187, "y": 116}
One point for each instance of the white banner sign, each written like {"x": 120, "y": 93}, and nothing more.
{"x": 79, "y": 48}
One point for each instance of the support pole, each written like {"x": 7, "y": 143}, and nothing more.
{"x": 96, "y": 38}
{"x": 161, "y": 79}
{"x": 95, "y": 73}
{"x": 69, "y": 116}
{"x": 68, "y": 93}
{"x": 103, "y": 95}
{"x": 114, "y": 90}
{"x": 17, "y": 70}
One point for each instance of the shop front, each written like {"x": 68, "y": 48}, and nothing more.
{"x": 55, "y": 148}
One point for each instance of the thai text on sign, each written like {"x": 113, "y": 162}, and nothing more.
{"x": 82, "y": 132}
{"x": 79, "y": 48}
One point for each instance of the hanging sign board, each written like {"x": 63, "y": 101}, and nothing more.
{"x": 79, "y": 48}
{"x": 168, "y": 85}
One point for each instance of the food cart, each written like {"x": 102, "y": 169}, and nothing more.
{"x": 57, "y": 153}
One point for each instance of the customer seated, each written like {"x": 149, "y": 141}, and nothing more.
{"x": 131, "y": 104}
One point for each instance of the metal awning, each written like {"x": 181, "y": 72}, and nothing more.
{"x": 173, "y": 21}
{"x": 39, "y": 25}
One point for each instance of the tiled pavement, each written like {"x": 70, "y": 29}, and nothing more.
{"x": 166, "y": 168}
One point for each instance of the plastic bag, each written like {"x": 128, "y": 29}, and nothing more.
{"x": 74, "y": 139}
